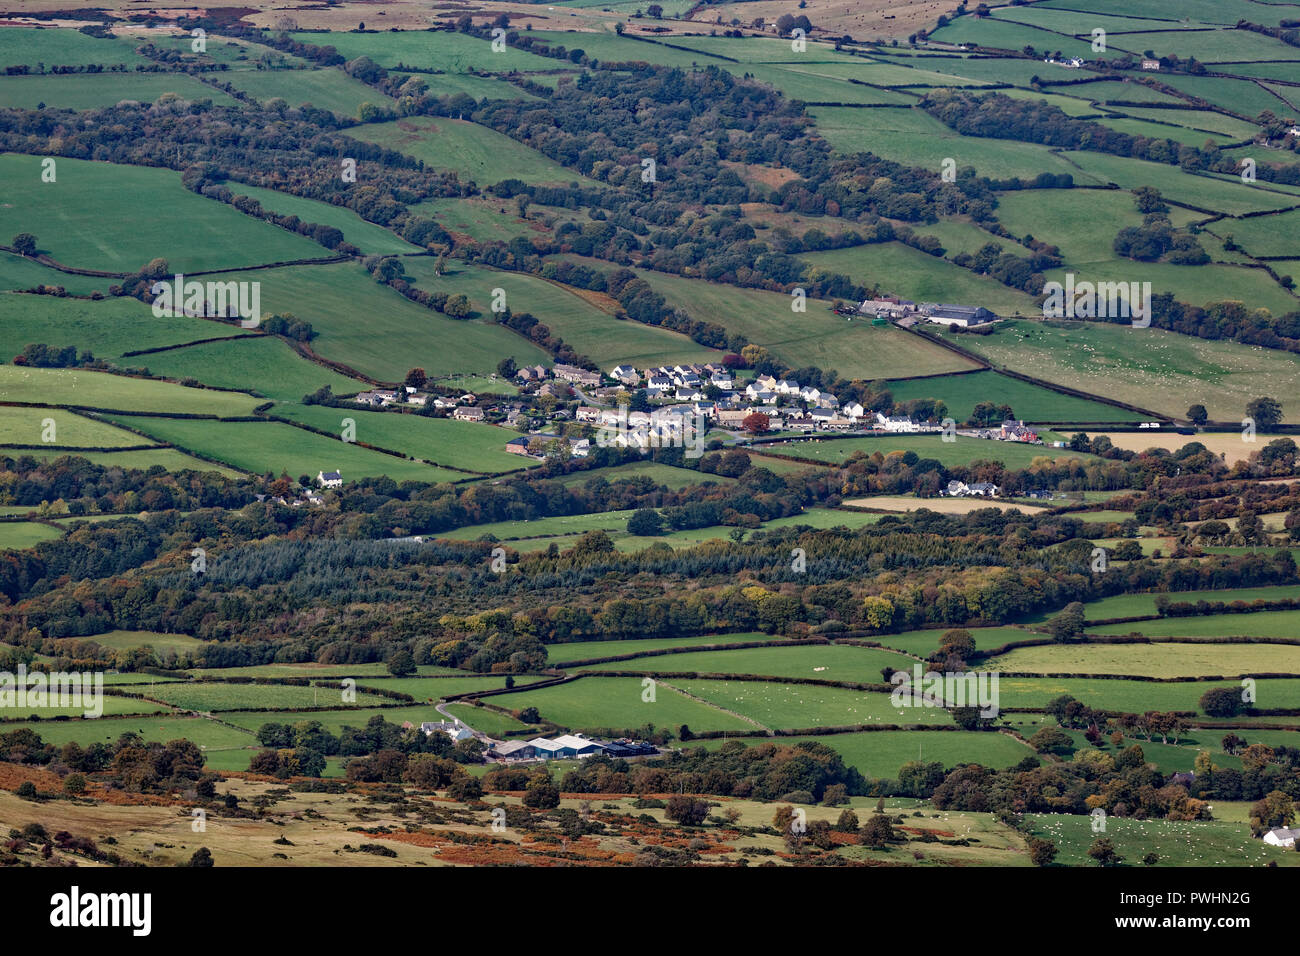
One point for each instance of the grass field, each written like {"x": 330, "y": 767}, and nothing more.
{"x": 473, "y": 152}
{"x": 1031, "y": 403}
{"x": 961, "y": 451}
{"x": 19, "y": 535}
{"x": 205, "y": 733}
{"x": 559, "y": 654}
{"x": 797, "y": 706}
{"x": 1176, "y": 843}
{"x": 379, "y": 333}
{"x": 1152, "y": 660}
{"x": 161, "y": 643}
{"x": 55, "y": 47}
{"x": 107, "y": 328}
{"x": 87, "y": 91}
{"x": 485, "y": 721}
{"x": 946, "y": 506}
{"x": 1254, "y": 624}
{"x": 86, "y": 219}
{"x": 266, "y": 365}
{"x": 818, "y": 337}
{"x": 903, "y": 271}
{"x": 1135, "y": 696}
{"x": 370, "y": 238}
{"x": 145, "y": 458}
{"x": 275, "y": 447}
{"x": 879, "y": 755}
{"x": 447, "y": 442}
{"x": 924, "y": 641}
{"x": 17, "y": 273}
{"x": 585, "y": 321}
{"x": 820, "y": 662}
{"x": 1149, "y": 368}
{"x": 443, "y": 51}
{"x": 1134, "y": 605}
{"x": 328, "y": 89}
{"x": 616, "y": 702}
{"x": 667, "y": 475}
{"x": 214, "y": 697}
{"x": 27, "y": 426}
{"x": 26, "y": 385}
{"x": 915, "y": 138}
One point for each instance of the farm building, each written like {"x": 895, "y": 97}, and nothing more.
{"x": 961, "y": 315}
{"x": 330, "y": 479}
{"x": 1281, "y": 836}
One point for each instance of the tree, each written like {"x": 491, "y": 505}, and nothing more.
{"x": 688, "y": 811}
{"x": 1041, "y": 852}
{"x": 1051, "y": 740}
{"x": 401, "y": 664}
{"x": 25, "y": 244}
{"x": 507, "y": 368}
{"x": 1275, "y": 810}
{"x": 1197, "y": 415}
{"x": 756, "y": 423}
{"x": 74, "y": 784}
{"x": 1068, "y": 625}
{"x": 1221, "y": 702}
{"x": 645, "y": 522}
{"x": 878, "y": 831}
{"x": 457, "y": 306}
{"x": 848, "y": 822}
{"x": 416, "y": 378}
{"x": 655, "y": 11}
{"x": 202, "y": 857}
{"x": 1265, "y": 412}
{"x": 1103, "y": 851}
{"x": 541, "y": 793}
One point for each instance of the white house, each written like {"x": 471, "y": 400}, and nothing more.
{"x": 625, "y": 374}
{"x": 330, "y": 479}
{"x": 853, "y": 410}
{"x": 895, "y": 423}
{"x": 1281, "y": 836}
{"x": 455, "y": 730}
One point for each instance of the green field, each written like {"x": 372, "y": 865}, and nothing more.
{"x": 444, "y": 441}
{"x": 1176, "y": 843}
{"x": 1153, "y": 660}
{"x": 436, "y": 688}
{"x": 161, "y": 643}
{"x": 265, "y": 365}
{"x": 590, "y": 328}
{"x": 370, "y": 238}
{"x": 1135, "y": 696}
{"x": 27, "y": 426}
{"x": 87, "y": 91}
{"x": 669, "y": 476}
{"x": 924, "y": 642}
{"x": 879, "y": 755}
{"x": 219, "y": 697}
{"x": 1149, "y": 368}
{"x": 798, "y": 706}
{"x": 107, "y": 328}
{"x": 443, "y": 51}
{"x": 1029, "y": 402}
{"x": 25, "y": 385}
{"x": 1255, "y": 624}
{"x": 856, "y": 349}
{"x": 960, "y": 451}
{"x": 903, "y": 271}
{"x": 206, "y": 733}
{"x": 376, "y": 331}
{"x": 19, "y": 535}
{"x": 145, "y": 458}
{"x": 473, "y": 152}
{"x": 18, "y": 273}
{"x": 54, "y": 47}
{"x": 1135, "y": 605}
{"x": 485, "y": 721}
{"x": 616, "y": 702}
{"x": 327, "y": 89}
{"x": 559, "y": 654}
{"x": 859, "y": 665}
{"x": 275, "y": 447}
{"x": 87, "y": 218}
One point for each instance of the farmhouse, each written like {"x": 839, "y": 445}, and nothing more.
{"x": 887, "y": 307}
{"x": 468, "y": 413}
{"x": 625, "y": 374}
{"x": 330, "y": 479}
{"x": 453, "y": 729}
{"x": 1150, "y": 64}
{"x": 896, "y": 423}
{"x": 1017, "y": 431}
{"x": 959, "y": 489}
{"x": 1281, "y": 836}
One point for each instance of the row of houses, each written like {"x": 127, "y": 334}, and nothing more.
{"x": 978, "y": 489}
{"x": 567, "y": 747}
{"x": 564, "y": 373}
